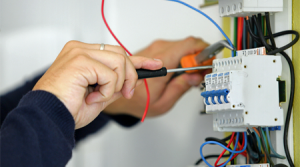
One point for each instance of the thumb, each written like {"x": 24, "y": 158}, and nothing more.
{"x": 176, "y": 88}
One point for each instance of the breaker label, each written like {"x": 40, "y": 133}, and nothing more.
{"x": 251, "y": 52}
{"x": 214, "y": 79}
{"x": 208, "y": 79}
{"x": 220, "y": 78}
{"x": 226, "y": 77}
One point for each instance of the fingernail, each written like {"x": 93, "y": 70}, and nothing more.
{"x": 157, "y": 60}
{"x": 132, "y": 92}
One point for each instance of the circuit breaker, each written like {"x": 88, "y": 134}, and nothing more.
{"x": 245, "y": 91}
{"x": 242, "y": 8}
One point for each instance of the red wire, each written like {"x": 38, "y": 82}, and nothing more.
{"x": 228, "y": 145}
{"x": 146, "y": 85}
{"x": 240, "y": 33}
{"x": 240, "y": 148}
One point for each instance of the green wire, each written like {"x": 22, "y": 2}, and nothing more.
{"x": 265, "y": 139}
{"x": 235, "y": 33}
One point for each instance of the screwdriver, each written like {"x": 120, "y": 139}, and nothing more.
{"x": 142, "y": 73}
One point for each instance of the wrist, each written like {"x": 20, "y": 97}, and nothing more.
{"x": 54, "y": 108}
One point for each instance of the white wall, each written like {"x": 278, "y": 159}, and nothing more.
{"x": 33, "y": 32}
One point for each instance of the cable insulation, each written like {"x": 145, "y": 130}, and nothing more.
{"x": 210, "y": 19}
{"x": 119, "y": 42}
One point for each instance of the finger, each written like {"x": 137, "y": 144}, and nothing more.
{"x": 140, "y": 62}
{"x": 182, "y": 48}
{"x": 77, "y": 44}
{"x": 116, "y": 62}
{"x": 155, "y": 48}
{"x": 176, "y": 88}
{"x": 131, "y": 75}
{"x": 96, "y": 72}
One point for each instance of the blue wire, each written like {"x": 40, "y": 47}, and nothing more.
{"x": 205, "y": 15}
{"x": 270, "y": 144}
{"x": 232, "y": 151}
{"x": 258, "y": 140}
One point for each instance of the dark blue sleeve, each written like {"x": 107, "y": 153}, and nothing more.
{"x": 11, "y": 99}
{"x": 38, "y": 132}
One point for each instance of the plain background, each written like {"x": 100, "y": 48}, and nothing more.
{"x": 33, "y": 32}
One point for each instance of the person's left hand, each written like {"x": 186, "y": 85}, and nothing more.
{"x": 163, "y": 92}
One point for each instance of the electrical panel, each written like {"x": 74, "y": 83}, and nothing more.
{"x": 250, "y": 165}
{"x": 245, "y": 91}
{"x": 242, "y": 8}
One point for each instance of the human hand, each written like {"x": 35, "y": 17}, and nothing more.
{"x": 79, "y": 65}
{"x": 163, "y": 92}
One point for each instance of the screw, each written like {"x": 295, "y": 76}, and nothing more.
{"x": 245, "y": 66}
{"x": 259, "y": 86}
{"x": 275, "y": 119}
{"x": 274, "y": 61}
{"x": 233, "y": 106}
{"x": 246, "y": 112}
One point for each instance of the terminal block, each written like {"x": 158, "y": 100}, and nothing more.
{"x": 242, "y": 8}
{"x": 244, "y": 91}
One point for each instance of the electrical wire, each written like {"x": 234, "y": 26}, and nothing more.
{"x": 265, "y": 139}
{"x": 240, "y": 33}
{"x": 255, "y": 147}
{"x": 210, "y": 19}
{"x": 232, "y": 151}
{"x": 265, "y": 161}
{"x": 265, "y": 148}
{"x": 211, "y": 156}
{"x": 241, "y": 147}
{"x": 244, "y": 36}
{"x": 223, "y": 152}
{"x": 222, "y": 141}
{"x": 290, "y": 105}
{"x": 269, "y": 30}
{"x": 271, "y": 146}
{"x": 119, "y": 42}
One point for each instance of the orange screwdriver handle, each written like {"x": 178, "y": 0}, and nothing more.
{"x": 190, "y": 61}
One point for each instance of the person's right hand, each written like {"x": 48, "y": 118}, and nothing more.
{"x": 80, "y": 65}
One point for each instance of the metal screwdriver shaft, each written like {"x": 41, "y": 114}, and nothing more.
{"x": 188, "y": 69}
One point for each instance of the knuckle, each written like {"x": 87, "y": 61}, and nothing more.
{"x": 79, "y": 59}
{"x": 71, "y": 44}
{"x": 121, "y": 50}
{"x": 191, "y": 39}
{"x": 156, "y": 44}
{"x": 75, "y": 51}
{"x": 121, "y": 58}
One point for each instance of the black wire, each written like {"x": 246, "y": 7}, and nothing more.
{"x": 262, "y": 38}
{"x": 269, "y": 30}
{"x": 244, "y": 36}
{"x": 290, "y": 106}
{"x": 265, "y": 148}
{"x": 221, "y": 141}
{"x": 211, "y": 156}
{"x": 215, "y": 139}
{"x": 255, "y": 147}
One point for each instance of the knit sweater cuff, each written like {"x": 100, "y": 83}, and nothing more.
{"x": 54, "y": 109}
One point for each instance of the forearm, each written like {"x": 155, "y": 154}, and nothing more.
{"x": 10, "y": 100}
{"x": 39, "y": 132}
